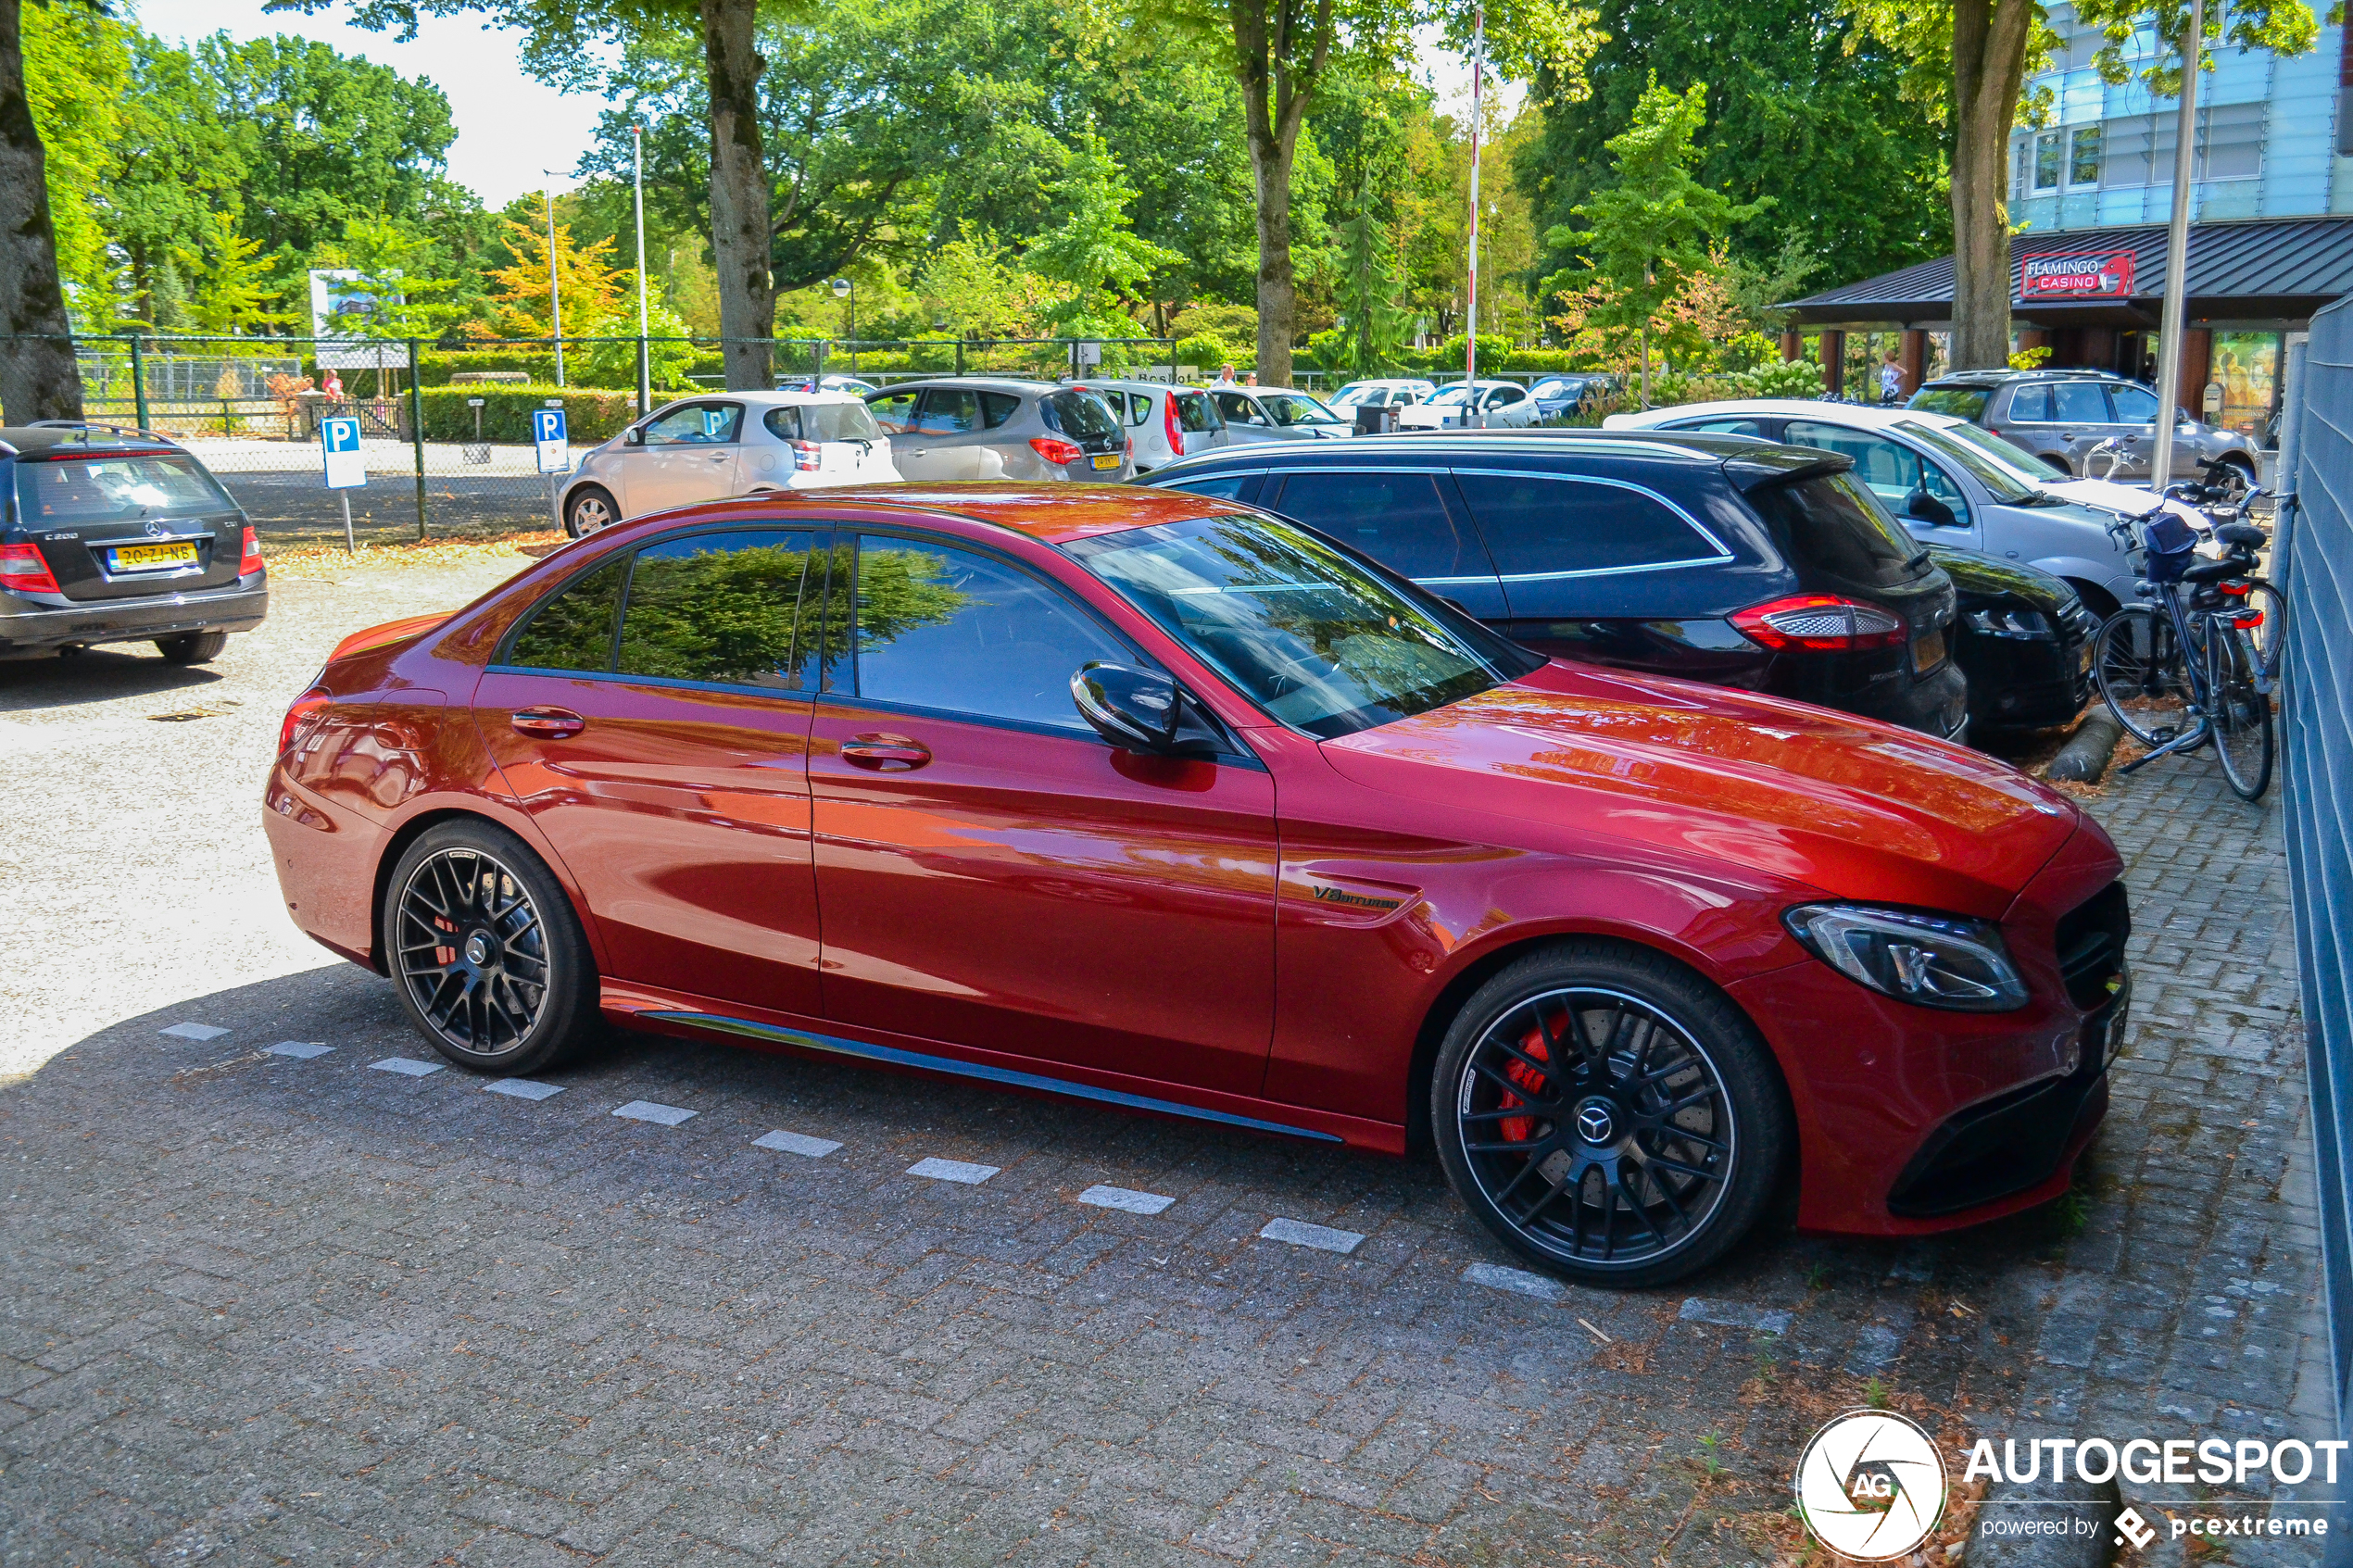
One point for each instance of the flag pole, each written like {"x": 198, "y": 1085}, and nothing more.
{"x": 1470, "y": 341}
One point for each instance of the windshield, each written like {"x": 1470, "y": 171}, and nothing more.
{"x": 1994, "y": 450}
{"x": 824, "y": 421}
{"x": 1292, "y": 408}
{"x": 1311, "y": 633}
{"x": 116, "y": 489}
{"x": 1454, "y": 395}
{"x": 1961, "y": 402}
{"x": 1077, "y": 413}
{"x": 2010, "y": 483}
{"x": 1832, "y": 522}
{"x": 1348, "y": 396}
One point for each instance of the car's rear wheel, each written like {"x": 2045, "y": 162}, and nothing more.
{"x": 194, "y": 647}
{"x": 1608, "y": 1115}
{"x": 590, "y": 508}
{"x": 489, "y": 958}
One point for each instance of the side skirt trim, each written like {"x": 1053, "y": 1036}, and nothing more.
{"x": 838, "y": 1047}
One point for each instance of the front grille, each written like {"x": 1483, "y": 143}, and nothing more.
{"x": 2091, "y": 940}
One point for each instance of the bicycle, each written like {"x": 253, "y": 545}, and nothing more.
{"x": 2181, "y": 672}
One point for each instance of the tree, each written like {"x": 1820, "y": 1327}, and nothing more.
{"x": 229, "y": 293}
{"x": 1650, "y": 230}
{"x": 971, "y": 290}
{"x": 562, "y": 41}
{"x": 39, "y": 379}
{"x": 1803, "y": 107}
{"x": 1968, "y": 61}
{"x": 590, "y": 286}
{"x": 1094, "y": 251}
{"x": 76, "y": 71}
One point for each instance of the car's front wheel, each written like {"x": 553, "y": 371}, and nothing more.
{"x": 1608, "y": 1115}
{"x": 589, "y": 508}
{"x": 492, "y": 965}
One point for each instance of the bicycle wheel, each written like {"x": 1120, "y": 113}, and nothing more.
{"x": 2243, "y": 742}
{"x": 2268, "y": 636}
{"x": 2137, "y": 661}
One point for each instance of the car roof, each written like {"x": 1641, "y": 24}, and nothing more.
{"x": 1052, "y": 514}
{"x": 788, "y": 399}
{"x": 1124, "y": 384}
{"x": 983, "y": 384}
{"x": 1862, "y": 416}
{"x": 1745, "y": 459}
{"x": 42, "y": 440}
{"x": 2001, "y": 378}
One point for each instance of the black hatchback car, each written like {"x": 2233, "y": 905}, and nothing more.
{"x": 2023, "y": 639}
{"x": 1717, "y": 559}
{"x": 120, "y": 536}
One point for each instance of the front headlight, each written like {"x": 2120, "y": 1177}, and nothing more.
{"x": 1936, "y": 961}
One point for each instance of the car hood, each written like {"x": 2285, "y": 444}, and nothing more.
{"x": 1853, "y": 808}
{"x": 2124, "y": 500}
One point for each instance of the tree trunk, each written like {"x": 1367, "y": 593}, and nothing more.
{"x": 739, "y": 226}
{"x": 38, "y": 377}
{"x": 1989, "y": 64}
{"x": 1275, "y": 85}
{"x": 1277, "y": 294}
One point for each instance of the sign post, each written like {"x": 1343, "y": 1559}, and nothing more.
{"x": 346, "y": 466}
{"x": 548, "y": 433}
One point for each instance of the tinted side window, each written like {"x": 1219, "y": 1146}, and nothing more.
{"x": 1077, "y": 413}
{"x": 573, "y": 631}
{"x": 1892, "y": 471}
{"x": 1400, "y": 519}
{"x": 1193, "y": 412}
{"x": 949, "y": 411}
{"x": 1239, "y": 409}
{"x": 1539, "y": 526}
{"x": 1834, "y": 525}
{"x": 2078, "y": 402}
{"x": 964, "y": 634}
{"x": 724, "y": 608}
{"x": 1222, "y": 487}
{"x": 697, "y": 424}
{"x": 2135, "y": 405}
{"x": 996, "y": 408}
{"x": 2032, "y": 405}
{"x": 1727, "y": 427}
{"x": 894, "y": 411}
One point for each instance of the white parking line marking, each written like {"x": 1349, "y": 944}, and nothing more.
{"x": 1518, "y": 1280}
{"x": 523, "y": 1088}
{"x": 795, "y": 1142}
{"x": 301, "y": 1050}
{"x": 963, "y": 1171}
{"x": 1299, "y": 1232}
{"x": 647, "y": 1110}
{"x": 1734, "y": 1314}
{"x": 406, "y": 1066}
{"x": 194, "y": 1032}
{"x": 1126, "y": 1199}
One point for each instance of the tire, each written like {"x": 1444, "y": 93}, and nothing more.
{"x": 2269, "y": 637}
{"x": 514, "y": 989}
{"x": 2137, "y": 663}
{"x": 589, "y": 508}
{"x": 2244, "y": 739}
{"x": 1665, "y": 1149}
{"x": 193, "y": 647}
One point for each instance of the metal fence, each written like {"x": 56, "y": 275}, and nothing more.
{"x": 2319, "y": 570}
{"x": 444, "y": 427}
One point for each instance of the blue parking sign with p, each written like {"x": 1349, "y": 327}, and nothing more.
{"x": 548, "y": 433}
{"x": 339, "y": 447}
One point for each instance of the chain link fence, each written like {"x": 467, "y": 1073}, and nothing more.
{"x": 446, "y": 428}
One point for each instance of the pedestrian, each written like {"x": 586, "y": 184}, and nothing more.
{"x": 1226, "y": 375}
{"x": 1891, "y": 378}
{"x": 1250, "y": 379}
{"x": 332, "y": 385}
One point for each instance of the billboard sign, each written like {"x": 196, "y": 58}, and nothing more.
{"x": 341, "y": 301}
{"x": 2089, "y": 274}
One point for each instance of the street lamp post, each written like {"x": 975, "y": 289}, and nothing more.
{"x": 645, "y": 349}
{"x": 846, "y": 287}
{"x": 2177, "y": 258}
{"x": 555, "y": 295}
{"x": 1471, "y": 343}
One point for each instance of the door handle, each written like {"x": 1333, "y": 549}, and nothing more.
{"x": 885, "y": 754}
{"x": 548, "y": 723}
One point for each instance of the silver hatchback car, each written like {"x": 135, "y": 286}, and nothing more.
{"x": 1167, "y": 423}
{"x": 990, "y": 427}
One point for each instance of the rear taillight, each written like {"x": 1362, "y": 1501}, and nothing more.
{"x": 808, "y": 457}
{"x": 304, "y": 706}
{"x": 22, "y": 570}
{"x": 1168, "y": 421}
{"x": 1054, "y": 449}
{"x": 1819, "y": 624}
{"x": 249, "y": 554}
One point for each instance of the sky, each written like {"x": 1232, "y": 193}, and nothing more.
{"x": 510, "y": 127}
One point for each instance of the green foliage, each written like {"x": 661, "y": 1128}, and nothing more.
{"x": 1209, "y": 353}
{"x": 506, "y": 414}
{"x": 228, "y": 292}
{"x": 1373, "y": 325}
{"x": 76, "y": 68}
{"x": 1494, "y": 354}
{"x": 1233, "y": 326}
{"x": 1093, "y": 254}
{"x": 609, "y": 362}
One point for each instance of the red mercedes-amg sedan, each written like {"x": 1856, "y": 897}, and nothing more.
{"x": 1153, "y": 801}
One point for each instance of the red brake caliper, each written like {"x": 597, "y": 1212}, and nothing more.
{"x": 1519, "y": 1129}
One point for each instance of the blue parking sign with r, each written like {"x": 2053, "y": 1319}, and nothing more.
{"x": 548, "y": 424}
{"x": 341, "y": 434}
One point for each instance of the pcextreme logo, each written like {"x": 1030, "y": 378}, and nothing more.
{"x": 1870, "y": 1486}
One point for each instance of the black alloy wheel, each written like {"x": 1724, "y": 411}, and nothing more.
{"x": 1608, "y": 1114}
{"x": 488, "y": 956}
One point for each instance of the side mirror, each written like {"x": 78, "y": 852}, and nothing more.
{"x": 635, "y": 436}
{"x": 1135, "y": 709}
{"x": 1929, "y": 509}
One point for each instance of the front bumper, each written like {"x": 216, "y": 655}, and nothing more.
{"x": 29, "y": 625}
{"x": 1912, "y": 1120}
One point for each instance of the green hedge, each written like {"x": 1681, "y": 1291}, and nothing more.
{"x": 589, "y": 415}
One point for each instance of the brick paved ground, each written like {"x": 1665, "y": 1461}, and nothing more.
{"x": 266, "y": 1310}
